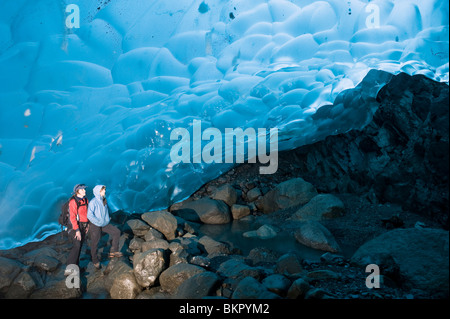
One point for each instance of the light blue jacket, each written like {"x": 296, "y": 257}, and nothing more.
{"x": 97, "y": 212}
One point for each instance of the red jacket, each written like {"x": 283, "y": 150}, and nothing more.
{"x": 82, "y": 212}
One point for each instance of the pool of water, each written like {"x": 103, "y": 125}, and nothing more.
{"x": 283, "y": 243}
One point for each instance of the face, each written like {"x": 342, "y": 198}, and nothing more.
{"x": 81, "y": 193}
{"x": 103, "y": 192}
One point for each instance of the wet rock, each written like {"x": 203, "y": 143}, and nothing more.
{"x": 320, "y": 207}
{"x": 9, "y": 269}
{"x": 253, "y": 194}
{"x": 46, "y": 263}
{"x": 22, "y": 287}
{"x": 138, "y": 227}
{"x": 212, "y": 246}
{"x": 205, "y": 210}
{"x": 135, "y": 244}
{"x": 56, "y": 289}
{"x": 277, "y": 283}
{"x": 422, "y": 256}
{"x": 155, "y": 244}
{"x": 225, "y": 193}
{"x": 317, "y": 293}
{"x": 287, "y": 194}
{"x": 191, "y": 244}
{"x": 171, "y": 278}
{"x": 147, "y": 266}
{"x": 198, "y": 286}
{"x": 250, "y": 288}
{"x": 289, "y": 264}
{"x": 332, "y": 258}
{"x": 125, "y": 287}
{"x": 114, "y": 269}
{"x": 239, "y": 211}
{"x": 153, "y": 234}
{"x": 264, "y": 232}
{"x": 298, "y": 289}
{"x": 261, "y": 255}
{"x": 315, "y": 235}
{"x": 163, "y": 221}
{"x": 200, "y": 261}
{"x": 238, "y": 269}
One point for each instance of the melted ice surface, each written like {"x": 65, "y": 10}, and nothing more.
{"x": 96, "y": 104}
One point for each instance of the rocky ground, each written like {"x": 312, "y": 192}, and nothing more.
{"x": 378, "y": 196}
{"x": 167, "y": 256}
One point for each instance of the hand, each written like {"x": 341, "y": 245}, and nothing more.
{"x": 78, "y": 235}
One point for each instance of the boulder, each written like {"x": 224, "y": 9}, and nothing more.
{"x": 125, "y": 286}
{"x": 163, "y": 221}
{"x": 212, "y": 246}
{"x": 171, "y": 278}
{"x": 253, "y": 194}
{"x": 205, "y": 210}
{"x": 156, "y": 243}
{"x": 225, "y": 193}
{"x": 147, "y": 266}
{"x": 288, "y": 264}
{"x": 287, "y": 194}
{"x": 135, "y": 244}
{"x": 298, "y": 289}
{"x": 422, "y": 256}
{"x": 277, "y": 283}
{"x": 46, "y": 263}
{"x": 199, "y": 286}
{"x": 238, "y": 269}
{"x": 9, "y": 269}
{"x": 263, "y": 232}
{"x": 320, "y": 207}
{"x": 261, "y": 255}
{"x": 138, "y": 227}
{"x": 116, "y": 267}
{"x": 153, "y": 234}
{"x": 239, "y": 211}
{"x": 250, "y": 288}
{"x": 44, "y": 258}
{"x": 56, "y": 289}
{"x": 22, "y": 287}
{"x": 313, "y": 234}
{"x": 191, "y": 245}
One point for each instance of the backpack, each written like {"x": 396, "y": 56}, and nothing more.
{"x": 64, "y": 217}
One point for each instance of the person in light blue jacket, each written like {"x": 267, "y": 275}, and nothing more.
{"x": 98, "y": 215}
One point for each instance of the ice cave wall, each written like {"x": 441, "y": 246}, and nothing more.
{"x": 90, "y": 93}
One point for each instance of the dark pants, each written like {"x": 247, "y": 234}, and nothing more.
{"x": 74, "y": 255}
{"x": 95, "y": 234}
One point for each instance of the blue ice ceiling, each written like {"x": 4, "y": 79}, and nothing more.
{"x": 96, "y": 103}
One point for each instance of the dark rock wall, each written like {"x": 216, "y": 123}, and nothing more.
{"x": 401, "y": 156}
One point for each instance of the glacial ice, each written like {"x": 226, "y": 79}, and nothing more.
{"x": 96, "y": 104}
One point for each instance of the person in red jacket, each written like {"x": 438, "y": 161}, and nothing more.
{"x": 79, "y": 223}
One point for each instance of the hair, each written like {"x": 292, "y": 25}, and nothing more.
{"x": 105, "y": 202}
